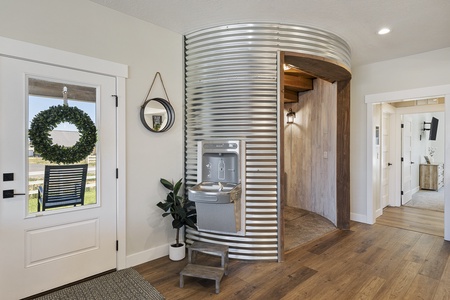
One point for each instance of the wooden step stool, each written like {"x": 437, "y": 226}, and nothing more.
{"x": 201, "y": 271}
{"x": 206, "y": 272}
{"x": 213, "y": 249}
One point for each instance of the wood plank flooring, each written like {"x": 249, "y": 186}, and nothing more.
{"x": 365, "y": 262}
{"x": 413, "y": 218}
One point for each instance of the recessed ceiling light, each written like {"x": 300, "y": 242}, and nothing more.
{"x": 384, "y": 31}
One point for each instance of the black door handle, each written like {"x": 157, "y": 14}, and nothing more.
{"x": 412, "y": 162}
{"x": 11, "y": 194}
{"x": 389, "y": 164}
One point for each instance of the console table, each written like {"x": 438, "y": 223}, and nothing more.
{"x": 431, "y": 176}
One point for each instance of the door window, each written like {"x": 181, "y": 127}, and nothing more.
{"x": 42, "y": 94}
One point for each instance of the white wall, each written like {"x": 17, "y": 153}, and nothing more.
{"x": 87, "y": 28}
{"x": 411, "y": 72}
{"x": 418, "y": 148}
{"x": 438, "y": 144}
{"x": 421, "y": 143}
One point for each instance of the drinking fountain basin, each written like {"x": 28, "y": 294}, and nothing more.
{"x": 215, "y": 192}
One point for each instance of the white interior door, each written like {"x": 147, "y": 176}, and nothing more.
{"x": 386, "y": 160}
{"x": 41, "y": 251}
{"x": 406, "y": 159}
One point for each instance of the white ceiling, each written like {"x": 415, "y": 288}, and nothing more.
{"x": 416, "y": 25}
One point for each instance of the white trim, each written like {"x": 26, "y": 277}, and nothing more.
{"x": 420, "y": 109}
{"x": 427, "y": 92}
{"x": 358, "y": 218}
{"x": 415, "y": 190}
{"x": 40, "y": 54}
{"x": 370, "y": 217}
{"x": 23, "y": 50}
{"x": 121, "y": 181}
{"x": 397, "y": 154}
{"x": 378, "y": 212}
{"x": 147, "y": 255}
{"x": 447, "y": 172}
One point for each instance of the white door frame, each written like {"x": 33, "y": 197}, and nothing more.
{"x": 427, "y": 92}
{"x": 40, "y": 54}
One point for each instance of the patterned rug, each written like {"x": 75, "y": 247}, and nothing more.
{"x": 125, "y": 284}
{"x": 433, "y": 200}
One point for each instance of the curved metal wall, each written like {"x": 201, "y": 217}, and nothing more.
{"x": 231, "y": 93}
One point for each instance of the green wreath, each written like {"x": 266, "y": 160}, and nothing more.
{"x": 45, "y": 121}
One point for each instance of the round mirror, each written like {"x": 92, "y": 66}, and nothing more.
{"x": 157, "y": 115}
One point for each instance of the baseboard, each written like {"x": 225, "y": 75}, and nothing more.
{"x": 415, "y": 190}
{"x": 378, "y": 212}
{"x": 147, "y": 255}
{"x": 358, "y": 218}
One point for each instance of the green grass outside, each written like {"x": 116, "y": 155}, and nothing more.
{"x": 89, "y": 198}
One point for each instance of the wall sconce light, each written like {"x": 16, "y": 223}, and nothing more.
{"x": 290, "y": 116}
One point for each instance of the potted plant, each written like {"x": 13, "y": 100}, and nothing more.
{"x": 183, "y": 213}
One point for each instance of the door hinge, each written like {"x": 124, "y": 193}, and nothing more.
{"x": 402, "y": 159}
{"x": 117, "y": 100}
{"x": 117, "y": 245}
{"x": 117, "y": 173}
{"x": 402, "y": 125}
{"x": 401, "y": 193}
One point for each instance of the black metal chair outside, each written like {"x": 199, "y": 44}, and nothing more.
{"x": 63, "y": 186}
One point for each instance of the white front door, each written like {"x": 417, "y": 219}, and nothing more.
{"x": 406, "y": 159}
{"x": 41, "y": 251}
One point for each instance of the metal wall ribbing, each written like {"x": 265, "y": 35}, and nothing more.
{"x": 231, "y": 93}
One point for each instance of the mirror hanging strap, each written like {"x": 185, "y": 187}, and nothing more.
{"x": 151, "y": 86}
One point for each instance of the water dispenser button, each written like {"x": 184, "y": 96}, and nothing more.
{"x": 221, "y": 174}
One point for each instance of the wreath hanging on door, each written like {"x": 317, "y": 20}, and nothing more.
{"x": 47, "y": 120}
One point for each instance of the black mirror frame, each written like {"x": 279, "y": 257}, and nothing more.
{"x": 170, "y": 114}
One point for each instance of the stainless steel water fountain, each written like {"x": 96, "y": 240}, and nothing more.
{"x": 217, "y": 195}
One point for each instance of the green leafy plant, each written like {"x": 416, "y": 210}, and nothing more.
{"x": 182, "y": 210}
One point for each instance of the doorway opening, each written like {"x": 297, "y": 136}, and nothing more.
{"x": 425, "y": 102}
{"x": 415, "y": 154}
{"x": 314, "y": 147}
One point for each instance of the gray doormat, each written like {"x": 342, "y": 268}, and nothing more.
{"x": 124, "y": 284}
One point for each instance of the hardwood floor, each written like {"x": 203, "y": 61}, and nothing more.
{"x": 412, "y": 218}
{"x": 365, "y": 262}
